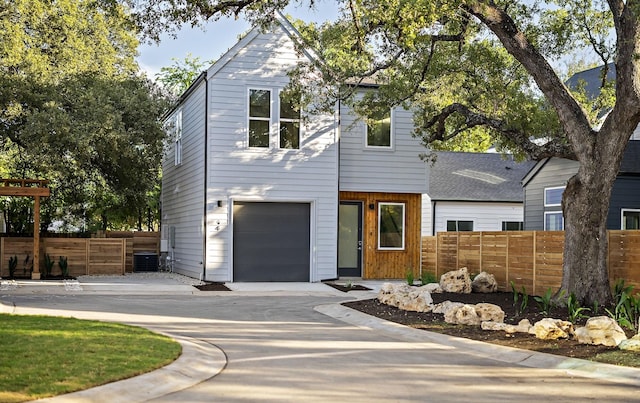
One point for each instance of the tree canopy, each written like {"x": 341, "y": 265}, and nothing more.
{"x": 75, "y": 110}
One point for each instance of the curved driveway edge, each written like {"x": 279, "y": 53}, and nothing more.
{"x": 198, "y": 362}
{"x": 533, "y": 359}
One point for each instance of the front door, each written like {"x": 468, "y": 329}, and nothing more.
{"x": 350, "y": 239}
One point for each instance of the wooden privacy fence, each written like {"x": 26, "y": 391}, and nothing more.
{"x": 85, "y": 256}
{"x": 531, "y": 259}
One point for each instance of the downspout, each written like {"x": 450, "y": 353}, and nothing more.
{"x": 203, "y": 276}
{"x": 433, "y": 218}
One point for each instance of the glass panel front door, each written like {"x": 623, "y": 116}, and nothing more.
{"x": 350, "y": 239}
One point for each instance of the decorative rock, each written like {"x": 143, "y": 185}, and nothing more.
{"x": 433, "y": 288}
{"x": 632, "y": 344}
{"x": 523, "y": 326}
{"x": 462, "y": 315}
{"x": 489, "y": 312}
{"x": 456, "y": 281}
{"x": 601, "y": 330}
{"x": 445, "y": 306}
{"x": 484, "y": 283}
{"x": 552, "y": 329}
{"x": 418, "y": 301}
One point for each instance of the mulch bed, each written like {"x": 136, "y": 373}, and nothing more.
{"x": 435, "y": 322}
{"x": 343, "y": 288}
{"x": 212, "y": 286}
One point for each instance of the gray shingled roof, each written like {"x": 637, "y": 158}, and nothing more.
{"x": 477, "y": 177}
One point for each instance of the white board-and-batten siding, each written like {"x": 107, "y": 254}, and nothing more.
{"x": 183, "y": 188}
{"x": 397, "y": 169}
{"x": 239, "y": 173}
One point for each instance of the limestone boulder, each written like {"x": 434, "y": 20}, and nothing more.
{"x": 552, "y": 329}
{"x": 445, "y": 306}
{"x": 489, "y": 312}
{"x": 433, "y": 288}
{"x": 632, "y": 344}
{"x": 462, "y": 315}
{"x": 418, "y": 301}
{"x": 484, "y": 283}
{"x": 601, "y": 330}
{"x": 456, "y": 281}
{"x": 522, "y": 327}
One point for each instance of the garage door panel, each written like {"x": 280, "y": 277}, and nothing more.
{"x": 271, "y": 241}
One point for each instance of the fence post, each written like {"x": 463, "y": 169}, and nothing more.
{"x": 124, "y": 255}
{"x": 506, "y": 263}
{"x": 87, "y": 249}
{"x": 535, "y": 260}
{"x": 1, "y": 255}
{"x": 480, "y": 251}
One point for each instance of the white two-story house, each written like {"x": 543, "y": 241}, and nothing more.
{"x": 254, "y": 189}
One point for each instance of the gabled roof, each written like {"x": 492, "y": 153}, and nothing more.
{"x": 488, "y": 177}
{"x": 591, "y": 79}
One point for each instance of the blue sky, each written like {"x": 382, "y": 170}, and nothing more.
{"x": 216, "y": 38}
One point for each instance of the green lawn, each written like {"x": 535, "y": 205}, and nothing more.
{"x": 43, "y": 356}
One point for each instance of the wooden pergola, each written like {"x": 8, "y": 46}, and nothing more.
{"x": 35, "y": 188}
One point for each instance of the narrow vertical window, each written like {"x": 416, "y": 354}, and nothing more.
{"x": 379, "y": 130}
{"x": 289, "y": 121}
{"x": 259, "y": 118}
{"x": 177, "y": 130}
{"x": 391, "y": 226}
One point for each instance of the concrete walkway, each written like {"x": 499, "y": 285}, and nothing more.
{"x": 292, "y": 342}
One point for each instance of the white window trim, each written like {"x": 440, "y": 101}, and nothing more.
{"x": 624, "y": 210}
{"x": 177, "y": 132}
{"x": 546, "y": 213}
{"x": 249, "y": 118}
{"x": 391, "y": 145}
{"x": 446, "y": 221}
{"x": 404, "y": 224}
{"x": 280, "y": 119}
{"x": 545, "y": 196}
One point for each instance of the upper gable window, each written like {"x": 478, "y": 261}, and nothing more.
{"x": 289, "y": 122}
{"x": 553, "y": 196}
{"x": 259, "y": 117}
{"x": 379, "y": 130}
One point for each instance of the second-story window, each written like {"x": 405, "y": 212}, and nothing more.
{"x": 379, "y": 130}
{"x": 259, "y": 118}
{"x": 289, "y": 121}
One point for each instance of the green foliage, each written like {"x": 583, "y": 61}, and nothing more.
{"x": 13, "y": 265}
{"x": 574, "y": 308}
{"x": 75, "y": 111}
{"x": 544, "y": 302}
{"x": 409, "y": 276}
{"x": 48, "y": 265}
{"x": 64, "y": 267}
{"x": 428, "y": 278}
{"x": 25, "y": 265}
{"x": 179, "y": 76}
{"x": 520, "y": 299}
{"x": 626, "y": 306}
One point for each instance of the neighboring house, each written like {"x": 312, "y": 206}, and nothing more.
{"x": 474, "y": 192}
{"x": 545, "y": 183}
{"x": 255, "y": 190}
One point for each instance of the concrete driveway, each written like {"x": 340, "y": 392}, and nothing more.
{"x": 284, "y": 346}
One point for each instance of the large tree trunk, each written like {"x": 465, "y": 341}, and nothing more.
{"x": 585, "y": 207}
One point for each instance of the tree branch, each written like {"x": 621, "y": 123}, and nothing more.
{"x": 437, "y": 127}
{"x": 574, "y": 119}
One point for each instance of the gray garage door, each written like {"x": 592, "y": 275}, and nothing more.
{"x": 271, "y": 241}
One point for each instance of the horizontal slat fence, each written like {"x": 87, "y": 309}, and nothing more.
{"x": 85, "y": 256}
{"x": 531, "y": 259}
